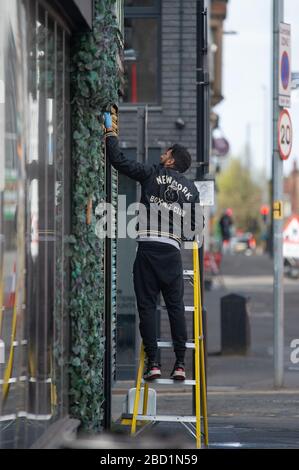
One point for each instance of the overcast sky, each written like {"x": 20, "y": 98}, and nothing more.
{"x": 247, "y": 79}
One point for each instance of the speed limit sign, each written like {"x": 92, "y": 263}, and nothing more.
{"x": 285, "y": 134}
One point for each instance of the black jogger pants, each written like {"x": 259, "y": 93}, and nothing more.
{"x": 158, "y": 268}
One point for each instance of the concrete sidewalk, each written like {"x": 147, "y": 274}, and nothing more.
{"x": 247, "y": 419}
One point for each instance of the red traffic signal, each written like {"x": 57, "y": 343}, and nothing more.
{"x": 264, "y": 210}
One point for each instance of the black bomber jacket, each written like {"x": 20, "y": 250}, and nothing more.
{"x": 163, "y": 190}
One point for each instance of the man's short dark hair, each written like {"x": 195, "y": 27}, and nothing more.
{"x": 181, "y": 157}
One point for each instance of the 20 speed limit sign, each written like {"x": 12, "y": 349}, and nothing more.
{"x": 285, "y": 134}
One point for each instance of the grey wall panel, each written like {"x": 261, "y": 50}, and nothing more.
{"x": 85, "y": 7}
{"x": 78, "y": 13}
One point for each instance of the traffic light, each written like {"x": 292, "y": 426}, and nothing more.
{"x": 264, "y": 211}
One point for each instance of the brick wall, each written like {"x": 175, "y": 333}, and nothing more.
{"x": 162, "y": 129}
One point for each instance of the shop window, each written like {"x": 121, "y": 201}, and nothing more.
{"x": 140, "y": 3}
{"x": 34, "y": 221}
{"x": 142, "y": 52}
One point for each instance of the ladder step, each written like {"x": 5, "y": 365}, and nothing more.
{"x": 168, "y": 382}
{"x": 188, "y": 272}
{"x": 169, "y": 344}
{"x": 189, "y": 308}
{"x": 184, "y": 419}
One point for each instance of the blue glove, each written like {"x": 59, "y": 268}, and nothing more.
{"x": 107, "y": 120}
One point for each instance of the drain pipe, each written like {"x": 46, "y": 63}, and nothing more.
{"x": 202, "y": 121}
{"x": 180, "y": 123}
{"x": 202, "y": 88}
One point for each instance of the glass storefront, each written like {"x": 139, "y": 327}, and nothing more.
{"x": 127, "y": 325}
{"x": 34, "y": 220}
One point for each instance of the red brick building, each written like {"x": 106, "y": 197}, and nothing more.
{"x": 291, "y": 192}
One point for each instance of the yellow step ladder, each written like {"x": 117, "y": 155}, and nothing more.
{"x": 192, "y": 423}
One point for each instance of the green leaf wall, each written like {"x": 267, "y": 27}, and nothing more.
{"x": 95, "y": 81}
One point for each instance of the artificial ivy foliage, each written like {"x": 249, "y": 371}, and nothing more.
{"x": 95, "y": 80}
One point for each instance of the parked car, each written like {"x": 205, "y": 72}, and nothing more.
{"x": 291, "y": 268}
{"x": 244, "y": 243}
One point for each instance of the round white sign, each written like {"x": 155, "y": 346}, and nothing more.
{"x": 285, "y": 134}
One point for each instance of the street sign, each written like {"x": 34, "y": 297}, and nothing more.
{"x": 220, "y": 146}
{"x": 206, "y": 191}
{"x": 285, "y": 134}
{"x": 285, "y": 82}
{"x": 277, "y": 210}
{"x": 291, "y": 238}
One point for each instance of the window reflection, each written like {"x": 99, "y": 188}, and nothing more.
{"x": 33, "y": 203}
{"x": 11, "y": 218}
{"x": 34, "y": 220}
{"x": 141, "y": 60}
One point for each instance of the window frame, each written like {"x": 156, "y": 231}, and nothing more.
{"x": 155, "y": 11}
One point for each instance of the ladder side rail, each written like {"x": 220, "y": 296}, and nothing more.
{"x": 197, "y": 347}
{"x": 202, "y": 368}
{"x": 138, "y": 389}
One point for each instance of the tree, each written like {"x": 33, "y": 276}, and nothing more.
{"x": 237, "y": 190}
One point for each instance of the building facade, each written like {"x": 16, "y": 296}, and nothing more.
{"x": 39, "y": 279}
{"x": 291, "y": 192}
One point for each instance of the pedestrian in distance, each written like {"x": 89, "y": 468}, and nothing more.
{"x": 158, "y": 264}
{"x": 226, "y": 224}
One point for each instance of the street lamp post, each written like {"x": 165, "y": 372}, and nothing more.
{"x": 277, "y": 182}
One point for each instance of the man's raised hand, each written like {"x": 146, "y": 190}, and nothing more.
{"x": 108, "y": 120}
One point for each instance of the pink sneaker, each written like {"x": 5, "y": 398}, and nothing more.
{"x": 152, "y": 371}
{"x": 178, "y": 372}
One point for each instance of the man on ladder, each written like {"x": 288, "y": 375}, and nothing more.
{"x": 168, "y": 194}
